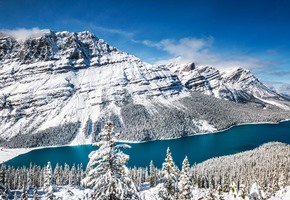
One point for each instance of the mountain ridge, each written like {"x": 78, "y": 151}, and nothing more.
{"x": 60, "y": 87}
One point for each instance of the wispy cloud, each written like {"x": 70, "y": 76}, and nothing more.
{"x": 284, "y": 89}
{"x": 112, "y": 31}
{"x": 279, "y": 86}
{"x": 23, "y": 33}
{"x": 200, "y": 51}
{"x": 96, "y": 28}
{"x": 280, "y": 73}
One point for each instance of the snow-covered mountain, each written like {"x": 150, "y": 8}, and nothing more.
{"x": 238, "y": 85}
{"x": 59, "y": 88}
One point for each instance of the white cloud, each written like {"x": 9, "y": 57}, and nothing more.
{"x": 22, "y": 34}
{"x": 200, "y": 51}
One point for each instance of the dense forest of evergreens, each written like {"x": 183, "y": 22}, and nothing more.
{"x": 268, "y": 166}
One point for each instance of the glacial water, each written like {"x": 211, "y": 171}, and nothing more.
{"x": 198, "y": 148}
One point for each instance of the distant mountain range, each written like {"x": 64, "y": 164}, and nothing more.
{"x": 60, "y": 87}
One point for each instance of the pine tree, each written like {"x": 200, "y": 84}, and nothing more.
{"x": 57, "y": 175}
{"x": 107, "y": 173}
{"x": 80, "y": 173}
{"x": 242, "y": 192}
{"x": 66, "y": 173}
{"x": 3, "y": 185}
{"x": 2, "y": 179}
{"x": 169, "y": 178}
{"x": 152, "y": 177}
{"x": 47, "y": 178}
{"x": 73, "y": 175}
{"x": 233, "y": 193}
{"x": 184, "y": 183}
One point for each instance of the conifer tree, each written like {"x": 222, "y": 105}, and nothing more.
{"x": 169, "y": 178}
{"x": 3, "y": 182}
{"x": 47, "y": 178}
{"x": 73, "y": 175}
{"x": 80, "y": 173}
{"x": 233, "y": 193}
{"x": 2, "y": 179}
{"x": 108, "y": 174}
{"x": 57, "y": 175}
{"x": 184, "y": 183}
{"x": 66, "y": 173}
{"x": 152, "y": 177}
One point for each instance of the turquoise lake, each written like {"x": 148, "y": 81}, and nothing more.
{"x": 198, "y": 148}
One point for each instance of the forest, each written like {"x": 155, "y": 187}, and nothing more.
{"x": 107, "y": 176}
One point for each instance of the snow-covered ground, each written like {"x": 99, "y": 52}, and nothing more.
{"x": 146, "y": 193}
{"x": 8, "y": 154}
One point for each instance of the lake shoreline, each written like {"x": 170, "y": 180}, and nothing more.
{"x": 7, "y": 154}
{"x": 205, "y": 133}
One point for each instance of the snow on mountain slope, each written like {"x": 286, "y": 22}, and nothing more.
{"x": 238, "y": 85}
{"x": 67, "y": 77}
{"x": 59, "y": 87}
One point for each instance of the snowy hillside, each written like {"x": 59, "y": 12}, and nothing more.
{"x": 59, "y": 87}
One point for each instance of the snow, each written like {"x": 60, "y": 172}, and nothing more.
{"x": 204, "y": 126}
{"x": 8, "y": 154}
{"x": 106, "y": 75}
{"x": 284, "y": 107}
{"x": 256, "y": 192}
{"x": 145, "y": 193}
{"x": 283, "y": 194}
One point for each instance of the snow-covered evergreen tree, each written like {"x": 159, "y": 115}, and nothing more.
{"x": 57, "y": 175}
{"x": 80, "y": 173}
{"x": 108, "y": 174}
{"x": 256, "y": 193}
{"x": 243, "y": 194}
{"x": 47, "y": 186}
{"x": 3, "y": 185}
{"x": 185, "y": 183}
{"x": 233, "y": 193}
{"x": 66, "y": 173}
{"x": 152, "y": 177}
{"x": 169, "y": 178}
{"x": 73, "y": 176}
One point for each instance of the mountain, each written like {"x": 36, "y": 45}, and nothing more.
{"x": 60, "y": 87}
{"x": 237, "y": 85}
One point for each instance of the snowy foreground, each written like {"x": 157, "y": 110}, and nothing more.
{"x": 146, "y": 193}
{"x": 259, "y": 174}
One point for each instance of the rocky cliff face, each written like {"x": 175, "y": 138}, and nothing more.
{"x": 60, "y": 87}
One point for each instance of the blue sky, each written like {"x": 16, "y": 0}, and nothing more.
{"x": 253, "y": 34}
